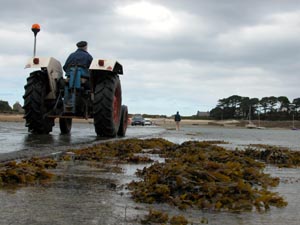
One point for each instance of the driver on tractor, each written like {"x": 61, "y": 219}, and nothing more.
{"x": 77, "y": 85}
{"x": 77, "y": 65}
{"x": 80, "y": 57}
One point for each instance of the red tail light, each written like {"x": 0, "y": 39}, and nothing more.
{"x": 36, "y": 61}
{"x": 101, "y": 62}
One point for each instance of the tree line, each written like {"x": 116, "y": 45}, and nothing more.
{"x": 266, "y": 108}
{"x": 6, "y": 108}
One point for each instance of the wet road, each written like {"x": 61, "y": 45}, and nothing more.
{"x": 16, "y": 142}
{"x": 15, "y": 138}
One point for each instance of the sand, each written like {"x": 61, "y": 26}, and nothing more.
{"x": 11, "y": 117}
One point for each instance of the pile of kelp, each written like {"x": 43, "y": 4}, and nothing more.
{"x": 204, "y": 175}
{"x": 158, "y": 217}
{"x": 26, "y": 172}
{"x": 282, "y": 157}
{"x": 194, "y": 174}
{"x": 123, "y": 151}
{"x": 36, "y": 170}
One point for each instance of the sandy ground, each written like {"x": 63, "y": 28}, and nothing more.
{"x": 11, "y": 118}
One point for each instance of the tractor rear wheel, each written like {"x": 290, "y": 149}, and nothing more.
{"x": 65, "y": 125}
{"x": 107, "y": 105}
{"x": 123, "y": 122}
{"x": 35, "y": 105}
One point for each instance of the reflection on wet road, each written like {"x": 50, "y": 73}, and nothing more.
{"x": 14, "y": 137}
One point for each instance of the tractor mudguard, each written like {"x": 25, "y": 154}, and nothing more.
{"x": 54, "y": 71}
{"x": 106, "y": 65}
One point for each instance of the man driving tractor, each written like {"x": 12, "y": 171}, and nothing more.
{"x": 80, "y": 58}
{"x": 77, "y": 65}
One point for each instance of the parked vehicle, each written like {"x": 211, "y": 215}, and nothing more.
{"x": 48, "y": 96}
{"x": 137, "y": 120}
{"x": 148, "y": 122}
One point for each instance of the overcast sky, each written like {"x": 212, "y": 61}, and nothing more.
{"x": 177, "y": 55}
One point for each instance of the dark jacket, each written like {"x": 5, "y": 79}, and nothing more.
{"x": 79, "y": 57}
{"x": 177, "y": 117}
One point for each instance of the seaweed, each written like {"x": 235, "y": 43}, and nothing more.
{"x": 195, "y": 174}
{"x": 124, "y": 150}
{"x": 203, "y": 175}
{"x": 279, "y": 156}
{"x": 26, "y": 172}
{"x": 155, "y": 216}
{"x": 37, "y": 169}
{"x": 178, "y": 220}
{"x": 158, "y": 217}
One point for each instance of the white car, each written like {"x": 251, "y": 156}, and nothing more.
{"x": 148, "y": 121}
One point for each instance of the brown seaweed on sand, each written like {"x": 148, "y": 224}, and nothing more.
{"x": 158, "y": 217}
{"x": 26, "y": 172}
{"x": 282, "y": 157}
{"x": 124, "y": 150}
{"x": 199, "y": 174}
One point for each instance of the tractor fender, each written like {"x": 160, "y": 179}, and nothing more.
{"x": 106, "y": 65}
{"x": 54, "y": 70}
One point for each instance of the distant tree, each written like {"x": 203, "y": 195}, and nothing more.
{"x": 235, "y": 102}
{"x": 264, "y": 104}
{"x": 4, "y": 106}
{"x": 18, "y": 108}
{"x": 253, "y": 105}
{"x": 284, "y": 103}
{"x": 272, "y": 108}
{"x": 216, "y": 113}
{"x": 222, "y": 103}
{"x": 230, "y": 106}
{"x": 244, "y": 107}
{"x": 272, "y": 103}
{"x": 296, "y": 102}
{"x": 222, "y": 111}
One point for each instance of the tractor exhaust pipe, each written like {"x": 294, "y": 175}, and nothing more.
{"x": 35, "y": 29}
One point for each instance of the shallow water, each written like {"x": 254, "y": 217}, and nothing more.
{"x": 91, "y": 195}
{"x": 14, "y": 136}
{"x": 80, "y": 195}
{"x": 238, "y": 137}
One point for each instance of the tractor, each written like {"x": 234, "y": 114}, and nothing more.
{"x": 48, "y": 95}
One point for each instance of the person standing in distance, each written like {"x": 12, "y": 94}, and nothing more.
{"x": 177, "y": 120}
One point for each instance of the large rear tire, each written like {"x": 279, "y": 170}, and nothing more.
{"x": 123, "y": 122}
{"x": 65, "y": 125}
{"x": 35, "y": 105}
{"x": 107, "y": 105}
